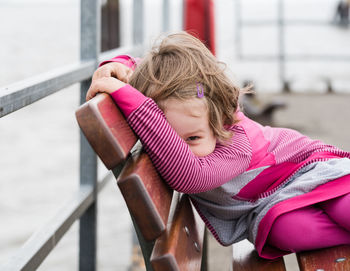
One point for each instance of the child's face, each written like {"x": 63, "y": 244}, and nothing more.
{"x": 190, "y": 120}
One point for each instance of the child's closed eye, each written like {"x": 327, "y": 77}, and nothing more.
{"x": 192, "y": 138}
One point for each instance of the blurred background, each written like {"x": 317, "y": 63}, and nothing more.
{"x": 295, "y": 52}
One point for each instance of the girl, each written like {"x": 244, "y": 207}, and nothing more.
{"x": 274, "y": 186}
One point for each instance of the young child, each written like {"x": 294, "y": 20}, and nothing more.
{"x": 274, "y": 186}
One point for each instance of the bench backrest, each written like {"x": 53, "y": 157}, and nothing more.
{"x": 169, "y": 230}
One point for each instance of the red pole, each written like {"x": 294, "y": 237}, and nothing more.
{"x": 199, "y": 21}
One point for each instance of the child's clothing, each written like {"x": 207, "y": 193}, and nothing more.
{"x": 309, "y": 228}
{"x": 334, "y": 208}
{"x": 242, "y": 188}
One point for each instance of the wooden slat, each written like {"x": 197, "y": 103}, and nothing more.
{"x": 181, "y": 245}
{"x": 335, "y": 259}
{"x": 146, "y": 195}
{"x": 106, "y": 129}
{"x": 245, "y": 258}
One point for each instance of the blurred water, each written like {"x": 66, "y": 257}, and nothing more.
{"x": 39, "y": 144}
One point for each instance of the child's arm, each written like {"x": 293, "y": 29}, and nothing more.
{"x": 172, "y": 157}
{"x": 103, "y": 80}
{"x": 112, "y": 75}
{"x": 103, "y": 85}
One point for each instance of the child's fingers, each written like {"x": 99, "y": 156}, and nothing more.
{"x": 91, "y": 92}
{"x": 128, "y": 75}
{"x": 122, "y": 72}
{"x": 113, "y": 69}
{"x": 105, "y": 84}
{"x": 103, "y": 71}
{"x": 95, "y": 88}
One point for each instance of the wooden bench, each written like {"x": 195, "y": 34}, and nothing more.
{"x": 170, "y": 232}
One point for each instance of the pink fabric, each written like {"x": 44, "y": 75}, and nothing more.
{"x": 307, "y": 228}
{"x": 124, "y": 59}
{"x": 253, "y": 146}
{"x": 330, "y": 190}
{"x": 271, "y": 178}
{"x": 260, "y": 155}
{"x": 185, "y": 172}
{"x": 174, "y": 160}
{"x": 128, "y": 99}
{"x": 267, "y": 181}
{"x": 338, "y": 210}
{"x": 290, "y": 145}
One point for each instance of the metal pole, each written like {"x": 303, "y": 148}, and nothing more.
{"x": 166, "y": 15}
{"x": 137, "y": 240}
{"x": 238, "y": 29}
{"x": 89, "y": 50}
{"x": 282, "y": 54}
{"x": 138, "y": 33}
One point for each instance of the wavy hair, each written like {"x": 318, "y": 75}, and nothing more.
{"x": 173, "y": 69}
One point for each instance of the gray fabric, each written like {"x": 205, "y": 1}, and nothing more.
{"x": 223, "y": 194}
{"x": 235, "y": 220}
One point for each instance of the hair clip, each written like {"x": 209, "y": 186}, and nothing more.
{"x": 200, "y": 91}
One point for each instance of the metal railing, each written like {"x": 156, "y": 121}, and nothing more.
{"x": 83, "y": 205}
{"x": 281, "y": 57}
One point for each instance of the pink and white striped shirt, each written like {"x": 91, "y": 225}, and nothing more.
{"x": 234, "y": 187}
{"x": 252, "y": 146}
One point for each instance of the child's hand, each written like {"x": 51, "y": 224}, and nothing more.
{"x": 113, "y": 69}
{"x": 104, "y": 84}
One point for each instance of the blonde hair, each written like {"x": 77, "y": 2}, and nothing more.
{"x": 176, "y": 66}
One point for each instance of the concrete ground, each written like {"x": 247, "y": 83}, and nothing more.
{"x": 319, "y": 116}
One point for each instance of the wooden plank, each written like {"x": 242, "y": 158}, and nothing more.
{"x": 106, "y": 129}
{"x": 335, "y": 259}
{"x": 181, "y": 245}
{"x": 245, "y": 258}
{"x": 146, "y": 195}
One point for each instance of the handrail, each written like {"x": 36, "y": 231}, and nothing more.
{"x": 20, "y": 94}
{"x": 23, "y": 93}
{"x": 83, "y": 205}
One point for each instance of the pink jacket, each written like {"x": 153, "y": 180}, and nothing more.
{"x": 259, "y": 162}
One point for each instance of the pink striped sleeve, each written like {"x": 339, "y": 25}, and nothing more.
{"x": 128, "y": 99}
{"x": 174, "y": 160}
{"x": 127, "y": 60}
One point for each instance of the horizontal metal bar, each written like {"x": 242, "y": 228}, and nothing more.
{"x": 23, "y": 93}
{"x": 292, "y": 22}
{"x": 344, "y": 58}
{"x": 40, "y": 244}
{"x": 295, "y": 58}
{"x": 258, "y": 57}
